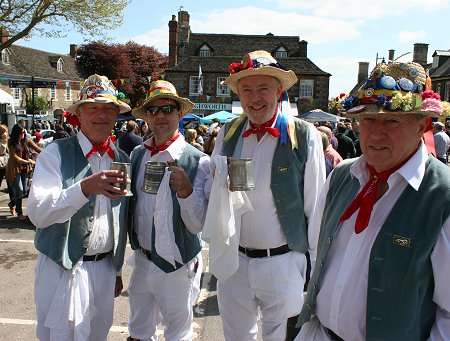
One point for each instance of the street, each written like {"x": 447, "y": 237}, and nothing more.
{"x": 17, "y": 311}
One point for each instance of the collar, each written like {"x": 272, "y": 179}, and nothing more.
{"x": 412, "y": 171}
{"x": 173, "y": 149}
{"x": 86, "y": 145}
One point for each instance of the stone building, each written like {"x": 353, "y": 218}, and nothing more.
{"x": 55, "y": 78}
{"x": 212, "y": 53}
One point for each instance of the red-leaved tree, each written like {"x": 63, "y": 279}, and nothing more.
{"x": 127, "y": 65}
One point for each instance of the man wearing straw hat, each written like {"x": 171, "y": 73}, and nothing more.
{"x": 383, "y": 262}
{"x": 80, "y": 220}
{"x": 165, "y": 222}
{"x": 263, "y": 264}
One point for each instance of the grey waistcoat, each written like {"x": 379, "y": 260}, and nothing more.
{"x": 66, "y": 243}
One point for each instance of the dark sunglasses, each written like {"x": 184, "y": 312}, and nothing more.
{"x": 166, "y": 109}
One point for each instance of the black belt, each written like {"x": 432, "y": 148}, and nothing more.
{"x": 332, "y": 335}
{"x": 261, "y": 253}
{"x": 94, "y": 258}
{"x": 146, "y": 252}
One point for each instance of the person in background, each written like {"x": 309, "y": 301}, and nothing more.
{"x": 191, "y": 138}
{"x": 270, "y": 265}
{"x": 144, "y": 131}
{"x": 326, "y": 143}
{"x": 80, "y": 219}
{"x": 441, "y": 141}
{"x": 383, "y": 262}
{"x": 4, "y": 152}
{"x": 60, "y": 132}
{"x": 202, "y": 131}
{"x": 330, "y": 153}
{"x": 345, "y": 148}
{"x": 18, "y": 168}
{"x": 129, "y": 140}
{"x": 164, "y": 227}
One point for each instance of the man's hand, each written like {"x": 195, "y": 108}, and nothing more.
{"x": 179, "y": 181}
{"x": 119, "y": 286}
{"x": 101, "y": 183}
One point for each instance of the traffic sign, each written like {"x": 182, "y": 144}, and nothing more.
{"x": 28, "y": 84}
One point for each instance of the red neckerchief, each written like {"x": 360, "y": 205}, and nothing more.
{"x": 101, "y": 148}
{"x": 266, "y": 127}
{"x": 154, "y": 149}
{"x": 366, "y": 198}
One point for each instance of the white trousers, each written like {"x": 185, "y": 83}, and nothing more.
{"x": 156, "y": 296}
{"x": 74, "y": 305}
{"x": 312, "y": 331}
{"x": 274, "y": 284}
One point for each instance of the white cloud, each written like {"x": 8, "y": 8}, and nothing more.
{"x": 411, "y": 36}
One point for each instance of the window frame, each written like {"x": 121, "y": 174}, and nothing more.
{"x": 308, "y": 85}
{"x": 224, "y": 87}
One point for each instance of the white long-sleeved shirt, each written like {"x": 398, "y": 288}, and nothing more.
{"x": 342, "y": 296}
{"x": 49, "y": 203}
{"x": 261, "y": 228}
{"x": 192, "y": 209}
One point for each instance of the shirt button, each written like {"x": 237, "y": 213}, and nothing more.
{"x": 91, "y": 219}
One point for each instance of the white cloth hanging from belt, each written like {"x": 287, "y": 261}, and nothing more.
{"x": 223, "y": 222}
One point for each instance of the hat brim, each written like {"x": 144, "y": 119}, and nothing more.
{"x": 186, "y": 105}
{"x": 373, "y": 109}
{"x": 122, "y": 105}
{"x": 286, "y": 78}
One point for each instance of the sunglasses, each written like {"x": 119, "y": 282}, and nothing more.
{"x": 166, "y": 109}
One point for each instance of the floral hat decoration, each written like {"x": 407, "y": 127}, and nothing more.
{"x": 99, "y": 89}
{"x": 395, "y": 87}
{"x": 259, "y": 63}
{"x": 162, "y": 89}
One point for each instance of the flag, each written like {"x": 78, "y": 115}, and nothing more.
{"x": 200, "y": 80}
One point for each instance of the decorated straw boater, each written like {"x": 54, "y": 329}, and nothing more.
{"x": 395, "y": 87}
{"x": 259, "y": 63}
{"x": 161, "y": 89}
{"x": 99, "y": 89}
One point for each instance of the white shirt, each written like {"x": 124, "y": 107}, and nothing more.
{"x": 261, "y": 228}
{"x": 341, "y": 300}
{"x": 192, "y": 209}
{"x": 49, "y": 203}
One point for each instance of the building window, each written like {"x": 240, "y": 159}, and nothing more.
{"x": 447, "y": 91}
{"x": 52, "y": 94}
{"x": 36, "y": 92}
{"x": 438, "y": 88}
{"x": 281, "y": 53}
{"x": 205, "y": 51}
{"x": 306, "y": 88}
{"x": 193, "y": 85}
{"x": 68, "y": 93}
{"x": 5, "y": 56}
{"x": 222, "y": 89}
{"x": 17, "y": 94}
{"x": 59, "y": 65}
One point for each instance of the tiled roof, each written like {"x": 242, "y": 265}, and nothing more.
{"x": 442, "y": 70}
{"x": 28, "y": 62}
{"x": 302, "y": 66}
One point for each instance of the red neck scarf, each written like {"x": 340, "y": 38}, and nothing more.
{"x": 263, "y": 128}
{"x": 154, "y": 149}
{"x": 366, "y": 198}
{"x": 101, "y": 148}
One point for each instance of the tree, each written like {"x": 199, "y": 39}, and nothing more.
{"x": 40, "y": 104}
{"x": 131, "y": 62}
{"x": 50, "y": 18}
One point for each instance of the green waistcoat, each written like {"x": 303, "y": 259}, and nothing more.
{"x": 288, "y": 167}
{"x": 400, "y": 282}
{"x": 188, "y": 243}
{"x": 65, "y": 243}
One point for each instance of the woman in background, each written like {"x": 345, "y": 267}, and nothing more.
{"x": 18, "y": 167}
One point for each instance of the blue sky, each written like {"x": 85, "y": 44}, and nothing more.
{"x": 340, "y": 33}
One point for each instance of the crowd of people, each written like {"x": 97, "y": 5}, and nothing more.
{"x": 344, "y": 235}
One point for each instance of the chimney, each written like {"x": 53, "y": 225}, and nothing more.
{"x": 303, "y": 49}
{"x": 173, "y": 42}
{"x": 4, "y": 34}
{"x": 184, "y": 28}
{"x": 73, "y": 50}
{"x": 391, "y": 55}
{"x": 363, "y": 71}
{"x": 420, "y": 53}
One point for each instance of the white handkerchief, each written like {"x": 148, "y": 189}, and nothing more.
{"x": 165, "y": 244}
{"x": 223, "y": 222}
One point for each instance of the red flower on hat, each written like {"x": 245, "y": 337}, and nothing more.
{"x": 430, "y": 94}
{"x": 72, "y": 119}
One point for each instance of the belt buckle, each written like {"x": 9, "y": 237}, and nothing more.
{"x": 96, "y": 256}
{"x": 247, "y": 251}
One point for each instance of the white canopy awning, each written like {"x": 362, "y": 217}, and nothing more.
{"x": 6, "y": 98}
{"x": 237, "y": 109}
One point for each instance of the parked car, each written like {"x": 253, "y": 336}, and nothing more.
{"x": 47, "y": 136}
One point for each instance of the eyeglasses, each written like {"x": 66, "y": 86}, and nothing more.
{"x": 166, "y": 109}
